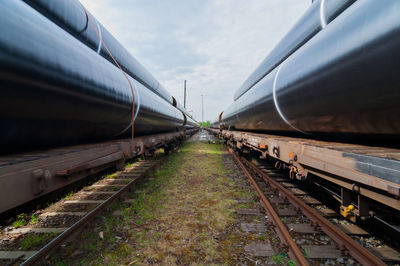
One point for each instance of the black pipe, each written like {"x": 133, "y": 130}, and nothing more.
{"x": 71, "y": 16}
{"x": 320, "y": 14}
{"x": 345, "y": 80}
{"x": 56, "y": 91}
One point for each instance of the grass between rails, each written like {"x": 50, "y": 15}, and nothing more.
{"x": 179, "y": 217}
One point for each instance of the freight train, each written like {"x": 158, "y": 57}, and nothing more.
{"x": 331, "y": 84}
{"x": 337, "y": 72}
{"x": 66, "y": 80}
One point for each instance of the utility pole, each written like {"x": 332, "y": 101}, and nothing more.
{"x": 202, "y": 112}
{"x": 184, "y": 95}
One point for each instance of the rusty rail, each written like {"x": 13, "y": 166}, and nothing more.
{"x": 294, "y": 251}
{"x": 344, "y": 242}
{"x": 56, "y": 242}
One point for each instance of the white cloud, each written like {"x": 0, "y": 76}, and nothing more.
{"x": 213, "y": 44}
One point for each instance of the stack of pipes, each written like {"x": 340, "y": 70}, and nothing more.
{"x": 66, "y": 79}
{"x": 336, "y": 72}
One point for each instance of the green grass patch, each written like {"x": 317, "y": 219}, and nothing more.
{"x": 34, "y": 219}
{"x": 69, "y": 195}
{"x": 36, "y": 240}
{"x": 20, "y": 221}
{"x": 111, "y": 176}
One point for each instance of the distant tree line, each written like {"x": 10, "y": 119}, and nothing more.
{"x": 206, "y": 124}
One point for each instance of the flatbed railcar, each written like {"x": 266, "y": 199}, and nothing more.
{"x": 70, "y": 98}
{"x": 325, "y": 102}
{"x": 27, "y": 176}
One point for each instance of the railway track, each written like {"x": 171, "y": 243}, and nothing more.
{"x": 66, "y": 218}
{"x": 309, "y": 232}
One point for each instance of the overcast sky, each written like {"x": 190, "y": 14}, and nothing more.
{"x": 213, "y": 44}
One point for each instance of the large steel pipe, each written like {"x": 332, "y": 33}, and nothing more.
{"x": 256, "y": 109}
{"x": 191, "y": 123}
{"x": 344, "y": 80}
{"x": 56, "y": 90}
{"x": 71, "y": 16}
{"x": 317, "y": 17}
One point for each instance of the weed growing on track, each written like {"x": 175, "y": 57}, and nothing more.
{"x": 34, "y": 219}
{"x": 112, "y": 176}
{"x": 36, "y": 240}
{"x": 69, "y": 195}
{"x": 20, "y": 221}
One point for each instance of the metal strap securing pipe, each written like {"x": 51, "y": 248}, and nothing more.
{"x": 123, "y": 72}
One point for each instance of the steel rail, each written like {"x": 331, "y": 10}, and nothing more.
{"x": 344, "y": 242}
{"x": 294, "y": 251}
{"x": 52, "y": 245}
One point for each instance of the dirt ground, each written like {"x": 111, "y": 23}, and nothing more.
{"x": 183, "y": 214}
